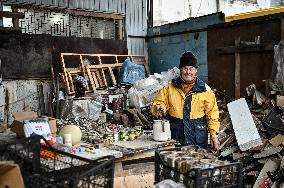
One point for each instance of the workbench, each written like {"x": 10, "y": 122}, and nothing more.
{"x": 134, "y": 164}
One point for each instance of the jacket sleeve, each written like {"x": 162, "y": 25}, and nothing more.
{"x": 161, "y": 99}
{"x": 212, "y": 114}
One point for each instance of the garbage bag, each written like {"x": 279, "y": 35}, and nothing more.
{"x": 132, "y": 72}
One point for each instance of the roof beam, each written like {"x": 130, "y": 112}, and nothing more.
{"x": 6, "y": 14}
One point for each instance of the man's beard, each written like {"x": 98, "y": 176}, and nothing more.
{"x": 188, "y": 81}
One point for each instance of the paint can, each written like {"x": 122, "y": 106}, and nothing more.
{"x": 132, "y": 134}
{"x": 108, "y": 137}
{"x": 123, "y": 135}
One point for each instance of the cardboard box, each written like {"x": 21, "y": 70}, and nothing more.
{"x": 19, "y": 117}
{"x": 10, "y": 175}
{"x": 280, "y": 100}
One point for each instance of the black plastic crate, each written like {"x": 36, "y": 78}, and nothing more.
{"x": 43, "y": 166}
{"x": 221, "y": 176}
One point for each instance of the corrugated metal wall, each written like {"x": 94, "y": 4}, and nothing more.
{"x": 167, "y": 43}
{"x": 134, "y": 10}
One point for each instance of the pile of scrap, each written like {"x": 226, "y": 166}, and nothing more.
{"x": 252, "y": 131}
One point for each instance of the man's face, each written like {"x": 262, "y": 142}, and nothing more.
{"x": 188, "y": 73}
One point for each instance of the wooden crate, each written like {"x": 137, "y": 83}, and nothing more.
{"x": 104, "y": 66}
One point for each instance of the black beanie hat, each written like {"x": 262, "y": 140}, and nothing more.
{"x": 188, "y": 59}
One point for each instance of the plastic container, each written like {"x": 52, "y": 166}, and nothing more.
{"x": 221, "y": 176}
{"x": 45, "y": 166}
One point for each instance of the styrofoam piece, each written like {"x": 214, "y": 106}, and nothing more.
{"x": 244, "y": 127}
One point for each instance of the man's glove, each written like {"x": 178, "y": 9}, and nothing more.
{"x": 159, "y": 111}
{"x": 215, "y": 144}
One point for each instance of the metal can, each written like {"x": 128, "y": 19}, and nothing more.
{"x": 132, "y": 135}
{"x": 123, "y": 135}
{"x": 138, "y": 130}
{"x": 108, "y": 137}
{"x": 116, "y": 136}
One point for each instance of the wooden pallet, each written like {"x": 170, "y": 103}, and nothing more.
{"x": 104, "y": 66}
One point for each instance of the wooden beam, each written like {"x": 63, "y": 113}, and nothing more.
{"x": 8, "y": 14}
{"x": 237, "y": 70}
{"x": 120, "y": 29}
{"x": 245, "y": 48}
{"x": 95, "y": 14}
{"x": 16, "y": 23}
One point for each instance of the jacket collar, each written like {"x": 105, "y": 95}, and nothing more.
{"x": 198, "y": 87}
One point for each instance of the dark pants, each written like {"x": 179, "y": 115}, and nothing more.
{"x": 194, "y": 132}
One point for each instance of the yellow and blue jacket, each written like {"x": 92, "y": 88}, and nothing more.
{"x": 197, "y": 110}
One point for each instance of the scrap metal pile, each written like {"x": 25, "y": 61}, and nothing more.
{"x": 252, "y": 131}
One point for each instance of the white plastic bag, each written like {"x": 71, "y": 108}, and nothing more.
{"x": 169, "y": 184}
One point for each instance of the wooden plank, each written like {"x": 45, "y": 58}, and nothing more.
{"x": 95, "y": 14}
{"x": 245, "y": 48}
{"x": 95, "y": 79}
{"x": 71, "y": 85}
{"x": 7, "y": 14}
{"x": 15, "y": 21}
{"x": 133, "y": 181}
{"x": 92, "y": 80}
{"x": 97, "y": 55}
{"x": 120, "y": 29}
{"x": 237, "y": 70}
{"x": 105, "y": 66}
{"x": 100, "y": 79}
{"x": 104, "y": 77}
{"x": 112, "y": 76}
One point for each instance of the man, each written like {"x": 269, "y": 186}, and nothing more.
{"x": 190, "y": 106}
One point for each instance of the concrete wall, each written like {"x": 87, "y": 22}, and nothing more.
{"x": 166, "y": 43}
{"x": 21, "y": 95}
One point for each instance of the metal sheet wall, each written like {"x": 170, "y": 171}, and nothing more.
{"x": 136, "y": 25}
{"x": 167, "y": 43}
{"x": 134, "y": 10}
{"x": 115, "y": 6}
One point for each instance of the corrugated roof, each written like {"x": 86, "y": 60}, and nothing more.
{"x": 253, "y": 14}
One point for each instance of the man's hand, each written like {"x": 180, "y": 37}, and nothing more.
{"x": 159, "y": 111}
{"x": 215, "y": 144}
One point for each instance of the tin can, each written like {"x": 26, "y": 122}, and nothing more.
{"x": 108, "y": 137}
{"x": 138, "y": 130}
{"x": 132, "y": 135}
{"x": 123, "y": 135}
{"x": 116, "y": 136}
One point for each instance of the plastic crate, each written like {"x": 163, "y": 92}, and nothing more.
{"x": 43, "y": 166}
{"x": 221, "y": 176}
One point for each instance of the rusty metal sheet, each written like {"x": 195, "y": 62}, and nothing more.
{"x": 255, "y": 65}
{"x": 30, "y": 56}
